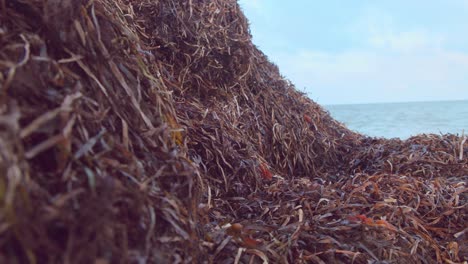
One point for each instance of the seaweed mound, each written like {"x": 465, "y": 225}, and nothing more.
{"x": 136, "y": 131}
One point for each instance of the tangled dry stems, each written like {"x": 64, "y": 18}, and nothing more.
{"x": 156, "y": 131}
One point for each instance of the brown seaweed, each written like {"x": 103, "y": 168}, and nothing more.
{"x": 155, "y": 131}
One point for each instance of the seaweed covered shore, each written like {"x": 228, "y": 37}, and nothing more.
{"x": 154, "y": 131}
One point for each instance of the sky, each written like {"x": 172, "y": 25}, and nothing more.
{"x": 366, "y": 51}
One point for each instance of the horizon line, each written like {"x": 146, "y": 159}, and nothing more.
{"x": 391, "y": 102}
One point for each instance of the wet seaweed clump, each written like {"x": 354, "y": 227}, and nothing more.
{"x": 138, "y": 131}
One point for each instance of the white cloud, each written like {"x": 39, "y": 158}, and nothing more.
{"x": 251, "y": 4}
{"x": 368, "y": 76}
{"x": 415, "y": 41}
{"x": 390, "y": 65}
{"x": 379, "y": 30}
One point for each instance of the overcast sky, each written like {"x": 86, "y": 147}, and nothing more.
{"x": 366, "y": 51}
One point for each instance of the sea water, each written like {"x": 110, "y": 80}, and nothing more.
{"x": 403, "y": 120}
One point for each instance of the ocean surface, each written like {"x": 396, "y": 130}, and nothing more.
{"x": 403, "y": 120}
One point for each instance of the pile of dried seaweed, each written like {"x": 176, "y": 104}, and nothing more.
{"x": 155, "y": 131}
